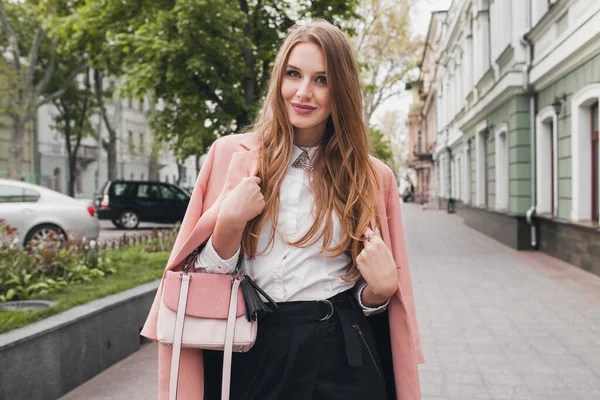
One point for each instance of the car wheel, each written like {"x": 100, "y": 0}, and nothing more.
{"x": 128, "y": 219}
{"x": 116, "y": 223}
{"x": 42, "y": 233}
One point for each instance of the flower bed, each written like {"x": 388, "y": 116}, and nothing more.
{"x": 74, "y": 271}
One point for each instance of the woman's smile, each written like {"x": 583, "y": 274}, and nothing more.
{"x": 303, "y": 109}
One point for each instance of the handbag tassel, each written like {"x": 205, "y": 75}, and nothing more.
{"x": 255, "y": 306}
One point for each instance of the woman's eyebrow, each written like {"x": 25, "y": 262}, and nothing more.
{"x": 296, "y": 68}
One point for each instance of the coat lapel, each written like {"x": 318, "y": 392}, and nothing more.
{"x": 243, "y": 163}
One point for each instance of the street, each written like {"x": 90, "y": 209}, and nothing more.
{"x": 494, "y": 323}
{"x": 109, "y": 231}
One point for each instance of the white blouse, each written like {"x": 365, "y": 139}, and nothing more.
{"x": 285, "y": 272}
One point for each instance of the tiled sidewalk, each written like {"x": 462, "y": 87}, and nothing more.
{"x": 500, "y": 324}
{"x": 495, "y": 323}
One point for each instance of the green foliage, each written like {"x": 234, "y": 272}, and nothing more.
{"x": 52, "y": 264}
{"x": 387, "y": 49}
{"x": 208, "y": 62}
{"x": 133, "y": 267}
{"x": 380, "y": 147}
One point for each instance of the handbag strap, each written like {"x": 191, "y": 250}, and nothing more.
{"x": 181, "y": 306}
{"x": 229, "y": 334}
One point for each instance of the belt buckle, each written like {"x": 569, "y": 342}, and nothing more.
{"x": 330, "y": 312}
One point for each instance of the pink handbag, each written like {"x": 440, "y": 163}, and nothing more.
{"x": 216, "y": 318}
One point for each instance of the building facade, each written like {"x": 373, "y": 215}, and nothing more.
{"x": 422, "y": 119}
{"x": 517, "y": 87}
{"x": 45, "y": 159}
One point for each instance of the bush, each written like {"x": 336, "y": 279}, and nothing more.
{"x": 55, "y": 262}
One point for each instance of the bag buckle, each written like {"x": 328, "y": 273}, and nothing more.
{"x": 330, "y": 312}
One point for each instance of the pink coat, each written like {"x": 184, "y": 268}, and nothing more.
{"x": 229, "y": 160}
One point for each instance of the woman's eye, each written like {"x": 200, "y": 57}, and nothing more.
{"x": 322, "y": 80}
{"x": 293, "y": 74}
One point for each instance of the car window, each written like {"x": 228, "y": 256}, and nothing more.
{"x": 172, "y": 193}
{"x": 15, "y": 194}
{"x": 123, "y": 189}
{"x": 148, "y": 191}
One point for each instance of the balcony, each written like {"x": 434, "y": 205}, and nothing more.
{"x": 85, "y": 153}
{"x": 424, "y": 153}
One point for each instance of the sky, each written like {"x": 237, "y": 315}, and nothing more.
{"x": 422, "y": 16}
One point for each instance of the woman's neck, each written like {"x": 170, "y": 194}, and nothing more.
{"x": 309, "y": 137}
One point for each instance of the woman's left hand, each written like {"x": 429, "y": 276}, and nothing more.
{"x": 377, "y": 266}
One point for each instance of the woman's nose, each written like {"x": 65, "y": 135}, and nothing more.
{"x": 304, "y": 91}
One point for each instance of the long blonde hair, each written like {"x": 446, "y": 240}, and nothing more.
{"x": 343, "y": 181}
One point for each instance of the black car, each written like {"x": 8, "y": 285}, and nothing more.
{"x": 126, "y": 203}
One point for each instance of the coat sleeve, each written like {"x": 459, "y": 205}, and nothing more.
{"x": 192, "y": 215}
{"x": 401, "y": 256}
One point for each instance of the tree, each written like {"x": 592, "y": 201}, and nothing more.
{"x": 386, "y": 48}
{"x": 27, "y": 77}
{"x": 380, "y": 147}
{"x": 75, "y": 109}
{"x": 207, "y": 62}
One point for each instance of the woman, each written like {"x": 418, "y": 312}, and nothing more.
{"x": 306, "y": 203}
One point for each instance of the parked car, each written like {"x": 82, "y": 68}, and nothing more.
{"x": 126, "y": 203}
{"x": 37, "y": 211}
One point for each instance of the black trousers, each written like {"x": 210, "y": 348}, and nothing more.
{"x": 299, "y": 357}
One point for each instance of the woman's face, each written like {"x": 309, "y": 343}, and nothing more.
{"x": 304, "y": 88}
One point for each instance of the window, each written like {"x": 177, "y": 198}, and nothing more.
{"x": 171, "y": 193}
{"x": 141, "y": 142}
{"x": 130, "y": 142}
{"x": 15, "y": 194}
{"x": 141, "y": 105}
{"x": 595, "y": 164}
{"x": 121, "y": 189}
{"x": 502, "y": 171}
{"x": 584, "y": 150}
{"x": 481, "y": 167}
{"x": 546, "y": 162}
{"x": 146, "y": 191}
{"x": 420, "y": 143}
{"x": 131, "y": 176}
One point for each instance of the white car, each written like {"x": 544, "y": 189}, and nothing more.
{"x": 36, "y": 211}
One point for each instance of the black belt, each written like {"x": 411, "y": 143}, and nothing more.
{"x": 320, "y": 311}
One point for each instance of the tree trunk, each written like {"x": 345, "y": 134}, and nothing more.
{"x": 179, "y": 171}
{"x": 153, "y": 165}
{"x": 15, "y": 151}
{"x": 109, "y": 146}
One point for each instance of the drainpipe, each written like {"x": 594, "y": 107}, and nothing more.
{"x": 528, "y": 88}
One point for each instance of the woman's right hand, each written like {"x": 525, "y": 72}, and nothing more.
{"x": 243, "y": 203}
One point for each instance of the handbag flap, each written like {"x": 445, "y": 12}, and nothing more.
{"x": 208, "y": 295}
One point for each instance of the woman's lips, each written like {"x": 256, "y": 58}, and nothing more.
{"x": 303, "y": 108}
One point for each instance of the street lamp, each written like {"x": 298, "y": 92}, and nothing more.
{"x": 558, "y": 102}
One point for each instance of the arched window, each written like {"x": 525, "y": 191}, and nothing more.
{"x": 502, "y": 172}
{"x": 546, "y": 161}
{"x": 481, "y": 166}
{"x": 595, "y": 164}
{"x": 584, "y": 142}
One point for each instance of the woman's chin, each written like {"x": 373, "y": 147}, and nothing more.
{"x": 304, "y": 123}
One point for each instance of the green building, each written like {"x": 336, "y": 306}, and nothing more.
{"x": 517, "y": 89}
